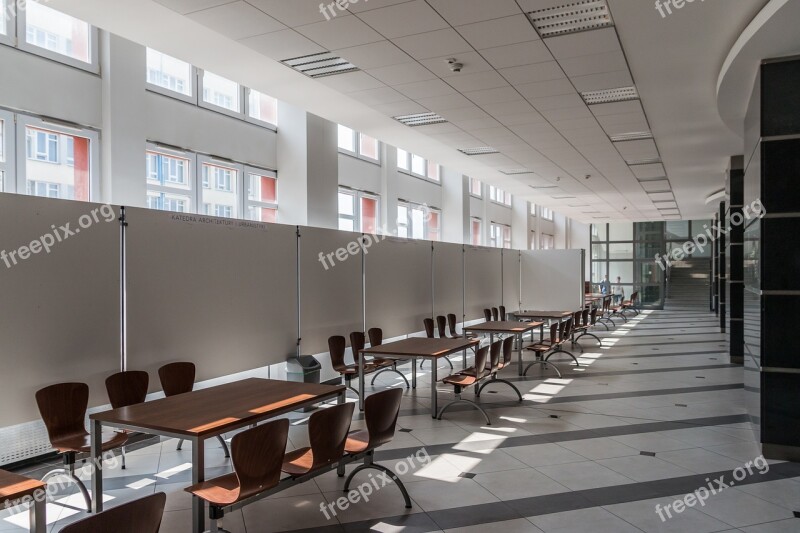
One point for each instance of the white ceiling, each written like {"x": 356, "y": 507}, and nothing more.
{"x": 516, "y": 93}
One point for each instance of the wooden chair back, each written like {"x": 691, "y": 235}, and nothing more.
{"x": 337, "y": 346}
{"x": 428, "y": 322}
{"x": 495, "y": 353}
{"x": 357, "y": 341}
{"x": 63, "y": 409}
{"x": 327, "y": 433}
{"x": 127, "y": 388}
{"x": 487, "y": 314}
{"x": 441, "y": 324}
{"x": 177, "y": 378}
{"x": 508, "y": 348}
{"x": 139, "y": 516}
{"x": 257, "y": 456}
{"x": 381, "y": 411}
{"x": 375, "y": 336}
{"x": 451, "y": 321}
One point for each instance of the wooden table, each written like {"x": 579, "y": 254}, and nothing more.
{"x": 203, "y": 414}
{"x": 416, "y": 348}
{"x": 16, "y": 489}
{"x": 514, "y": 328}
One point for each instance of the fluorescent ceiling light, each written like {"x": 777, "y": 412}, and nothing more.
{"x": 420, "y": 119}
{"x": 516, "y": 171}
{"x": 481, "y": 150}
{"x": 608, "y": 96}
{"x": 634, "y": 136}
{"x": 650, "y": 161}
{"x": 574, "y": 17}
{"x": 320, "y": 65}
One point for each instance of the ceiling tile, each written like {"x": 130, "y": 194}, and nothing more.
{"x": 294, "y": 13}
{"x": 616, "y": 108}
{"x": 657, "y": 186}
{"x": 472, "y": 61}
{"x": 189, "y": 6}
{"x": 493, "y": 96}
{"x": 374, "y": 55}
{"x": 632, "y": 150}
{"x": 351, "y": 82}
{"x": 566, "y": 113}
{"x": 358, "y": 6}
{"x": 444, "y": 102}
{"x": 546, "y": 88}
{"x": 425, "y": 89}
{"x": 661, "y": 196}
{"x": 649, "y": 172}
{"x": 394, "y": 109}
{"x": 434, "y": 44}
{"x": 477, "y": 123}
{"x": 464, "y": 113}
{"x": 514, "y": 107}
{"x": 594, "y": 64}
{"x": 458, "y": 12}
{"x": 515, "y": 55}
{"x": 499, "y": 32}
{"x": 477, "y": 82}
{"x": 605, "y": 80}
{"x": 237, "y": 20}
{"x": 521, "y": 118}
{"x": 341, "y": 32}
{"x": 583, "y": 43}
{"x": 557, "y": 102}
{"x": 284, "y": 44}
{"x": 399, "y": 74}
{"x": 408, "y": 18}
{"x": 381, "y": 95}
{"x": 546, "y": 71}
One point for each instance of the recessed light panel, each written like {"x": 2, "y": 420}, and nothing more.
{"x": 650, "y": 161}
{"x": 571, "y": 18}
{"x": 516, "y": 171}
{"x": 480, "y": 150}
{"x": 420, "y": 119}
{"x": 634, "y": 136}
{"x": 320, "y": 65}
{"x": 608, "y": 96}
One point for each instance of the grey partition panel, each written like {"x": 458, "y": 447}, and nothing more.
{"x": 552, "y": 280}
{"x": 511, "y": 280}
{"x": 59, "y": 308}
{"x": 217, "y": 292}
{"x": 398, "y": 281}
{"x": 331, "y": 301}
{"x": 483, "y": 267}
{"x": 448, "y": 279}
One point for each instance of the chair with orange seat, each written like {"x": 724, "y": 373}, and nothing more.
{"x": 468, "y": 378}
{"x": 125, "y": 389}
{"x": 505, "y": 361}
{"x": 429, "y": 333}
{"x": 139, "y": 516}
{"x": 357, "y": 342}
{"x": 327, "y": 434}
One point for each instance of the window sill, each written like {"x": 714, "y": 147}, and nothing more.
{"x": 501, "y": 204}
{"x": 179, "y": 97}
{"x": 419, "y": 176}
{"x": 354, "y": 155}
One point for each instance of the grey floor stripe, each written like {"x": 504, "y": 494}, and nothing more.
{"x": 491, "y": 513}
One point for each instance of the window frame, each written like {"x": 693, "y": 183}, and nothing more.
{"x": 356, "y": 217}
{"x": 23, "y": 122}
{"x": 473, "y": 181}
{"x": 410, "y": 165}
{"x": 551, "y": 241}
{"x": 410, "y": 208}
{"x": 240, "y": 114}
{"x": 201, "y": 160}
{"x": 472, "y": 222}
{"x": 533, "y": 210}
{"x": 356, "y": 152}
{"x": 7, "y": 151}
{"x": 258, "y": 121}
{"x": 506, "y": 243}
{"x": 533, "y": 241}
{"x": 194, "y": 182}
{"x": 248, "y": 203}
{"x": 494, "y": 192}
{"x": 193, "y": 99}
{"x": 8, "y": 20}
{"x": 547, "y": 214}
{"x": 20, "y": 41}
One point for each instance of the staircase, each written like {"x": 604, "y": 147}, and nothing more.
{"x": 689, "y": 284}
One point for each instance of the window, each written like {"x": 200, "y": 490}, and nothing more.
{"x": 221, "y": 93}
{"x": 547, "y": 214}
{"x": 358, "y": 211}
{"x": 533, "y": 240}
{"x": 475, "y": 188}
{"x": 418, "y": 165}
{"x": 55, "y": 35}
{"x": 220, "y": 189}
{"x": 4, "y": 21}
{"x": 167, "y": 73}
{"x": 476, "y": 229}
{"x": 58, "y": 162}
{"x": 169, "y": 186}
{"x": 533, "y": 210}
{"x": 499, "y": 196}
{"x": 262, "y": 196}
{"x": 262, "y": 107}
{"x": 358, "y": 144}
{"x": 501, "y": 236}
{"x": 6, "y": 121}
{"x": 419, "y": 222}
{"x": 548, "y": 241}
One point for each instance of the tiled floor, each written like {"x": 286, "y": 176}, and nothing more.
{"x": 653, "y": 415}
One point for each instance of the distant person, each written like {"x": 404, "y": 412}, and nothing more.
{"x": 605, "y": 286}
{"x": 618, "y": 291}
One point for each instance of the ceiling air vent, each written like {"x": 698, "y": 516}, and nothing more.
{"x": 481, "y": 150}
{"x": 516, "y": 171}
{"x": 320, "y": 65}
{"x": 636, "y": 136}
{"x": 609, "y": 96}
{"x": 571, "y": 18}
{"x": 420, "y": 119}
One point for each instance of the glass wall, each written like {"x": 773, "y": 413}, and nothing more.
{"x": 626, "y": 252}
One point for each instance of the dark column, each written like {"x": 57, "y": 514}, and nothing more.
{"x": 714, "y": 267}
{"x": 722, "y": 278}
{"x": 734, "y": 254}
{"x": 772, "y": 257}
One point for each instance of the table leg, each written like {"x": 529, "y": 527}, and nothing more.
{"x": 342, "y": 398}
{"x": 541, "y": 333}
{"x": 465, "y": 354}
{"x": 519, "y": 353}
{"x": 434, "y": 398}
{"x": 38, "y": 514}
{"x": 97, "y": 465}
{"x": 361, "y": 383}
{"x": 198, "y": 475}
{"x": 413, "y": 372}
